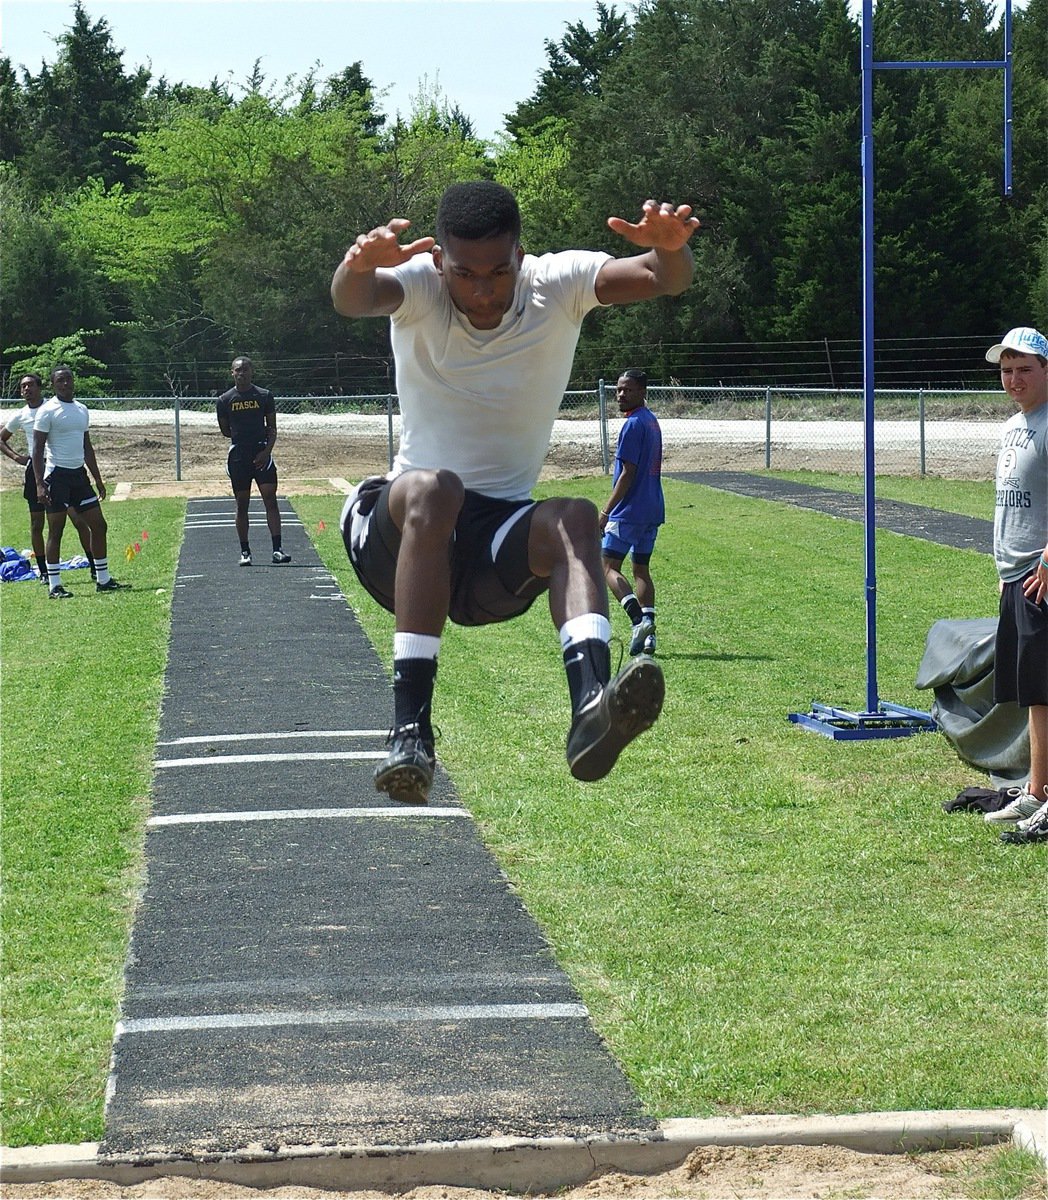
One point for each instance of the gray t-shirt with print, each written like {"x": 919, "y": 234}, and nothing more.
{"x": 1020, "y": 519}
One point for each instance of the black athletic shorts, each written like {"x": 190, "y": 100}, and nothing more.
{"x": 241, "y": 469}
{"x": 490, "y": 577}
{"x": 1020, "y": 666}
{"x": 69, "y": 488}
{"x": 29, "y": 490}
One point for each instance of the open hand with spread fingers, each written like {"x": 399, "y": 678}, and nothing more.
{"x": 382, "y": 247}
{"x": 662, "y": 226}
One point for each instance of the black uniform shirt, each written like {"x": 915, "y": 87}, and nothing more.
{"x": 246, "y": 413}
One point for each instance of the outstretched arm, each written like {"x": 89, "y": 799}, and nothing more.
{"x": 667, "y": 267}
{"x": 363, "y": 285}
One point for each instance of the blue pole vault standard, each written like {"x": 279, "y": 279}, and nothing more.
{"x": 881, "y": 718}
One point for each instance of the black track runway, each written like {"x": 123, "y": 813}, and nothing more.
{"x": 310, "y": 962}
{"x": 913, "y": 520}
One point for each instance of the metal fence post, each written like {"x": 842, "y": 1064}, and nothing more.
{"x": 178, "y": 440}
{"x": 767, "y": 429}
{"x": 920, "y": 411}
{"x": 389, "y": 429}
{"x": 602, "y": 407}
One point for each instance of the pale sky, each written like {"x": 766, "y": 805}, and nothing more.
{"x": 484, "y": 55}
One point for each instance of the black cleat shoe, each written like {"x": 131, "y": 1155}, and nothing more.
{"x": 111, "y": 585}
{"x": 279, "y": 558}
{"x": 407, "y": 773}
{"x": 1033, "y": 829}
{"x": 629, "y": 704}
{"x": 59, "y": 593}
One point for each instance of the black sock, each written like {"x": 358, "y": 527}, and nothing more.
{"x": 413, "y": 682}
{"x": 276, "y": 543}
{"x": 245, "y": 548}
{"x": 633, "y": 610}
{"x": 588, "y": 665}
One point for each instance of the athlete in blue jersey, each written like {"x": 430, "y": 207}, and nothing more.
{"x": 630, "y": 520}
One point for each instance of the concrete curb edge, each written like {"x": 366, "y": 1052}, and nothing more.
{"x": 534, "y": 1165}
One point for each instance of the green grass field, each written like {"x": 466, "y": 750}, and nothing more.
{"x": 760, "y": 919}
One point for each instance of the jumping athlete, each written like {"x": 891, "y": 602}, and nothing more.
{"x": 247, "y": 415}
{"x": 483, "y": 338}
{"x": 635, "y": 510}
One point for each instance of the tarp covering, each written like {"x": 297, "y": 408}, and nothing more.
{"x": 958, "y": 666}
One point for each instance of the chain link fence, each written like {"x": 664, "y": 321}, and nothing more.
{"x": 953, "y": 434}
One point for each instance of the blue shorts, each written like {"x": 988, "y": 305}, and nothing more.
{"x": 621, "y": 538}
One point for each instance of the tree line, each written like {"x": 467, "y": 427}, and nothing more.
{"x": 153, "y": 229}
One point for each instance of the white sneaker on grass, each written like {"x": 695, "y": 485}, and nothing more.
{"x": 1024, "y": 805}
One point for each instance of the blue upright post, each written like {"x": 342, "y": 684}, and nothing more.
{"x": 869, "y": 469}
{"x": 883, "y": 719}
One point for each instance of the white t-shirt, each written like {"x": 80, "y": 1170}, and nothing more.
{"x": 481, "y": 402}
{"x": 24, "y": 420}
{"x": 65, "y": 423}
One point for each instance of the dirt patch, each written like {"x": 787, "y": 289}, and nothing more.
{"x": 141, "y": 448}
{"x": 709, "y": 1173}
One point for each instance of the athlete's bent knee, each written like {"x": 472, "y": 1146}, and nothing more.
{"x": 427, "y": 498}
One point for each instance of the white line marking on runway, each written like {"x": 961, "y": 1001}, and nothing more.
{"x": 291, "y": 733}
{"x": 287, "y": 523}
{"x": 231, "y": 759}
{"x": 304, "y": 814}
{"x": 382, "y": 1015}
{"x": 121, "y": 492}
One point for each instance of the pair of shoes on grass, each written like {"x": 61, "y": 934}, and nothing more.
{"x": 110, "y": 585}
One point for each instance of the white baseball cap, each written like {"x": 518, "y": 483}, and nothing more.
{"x": 1023, "y": 340}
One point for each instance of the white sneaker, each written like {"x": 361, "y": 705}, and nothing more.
{"x": 245, "y": 558}
{"x": 1024, "y": 805}
{"x": 641, "y": 633}
{"x": 1034, "y": 822}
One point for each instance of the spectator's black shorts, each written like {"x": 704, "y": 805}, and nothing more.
{"x": 490, "y": 576}
{"x": 29, "y": 490}
{"x": 69, "y": 488}
{"x": 240, "y": 467}
{"x": 1020, "y": 666}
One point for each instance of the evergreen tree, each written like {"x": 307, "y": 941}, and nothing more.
{"x": 575, "y": 67}
{"x": 78, "y": 115}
